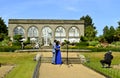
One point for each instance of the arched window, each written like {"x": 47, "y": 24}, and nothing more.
{"x": 74, "y": 34}
{"x": 33, "y": 32}
{"x": 60, "y": 34}
{"x": 47, "y": 35}
{"x": 19, "y": 31}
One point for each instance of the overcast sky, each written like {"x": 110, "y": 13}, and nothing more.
{"x": 103, "y": 12}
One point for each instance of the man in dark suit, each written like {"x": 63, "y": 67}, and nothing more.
{"x": 107, "y": 59}
{"x": 54, "y": 52}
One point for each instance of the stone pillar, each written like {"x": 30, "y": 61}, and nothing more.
{"x": 67, "y": 33}
{"x": 26, "y": 33}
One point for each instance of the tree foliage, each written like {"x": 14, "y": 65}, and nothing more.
{"x": 90, "y": 29}
{"x": 88, "y": 20}
{"x": 17, "y": 39}
{"x": 3, "y": 29}
{"x": 83, "y": 38}
{"x": 90, "y": 33}
{"x": 117, "y": 33}
{"x": 102, "y": 39}
{"x": 2, "y": 35}
{"x": 111, "y": 34}
{"x": 108, "y": 33}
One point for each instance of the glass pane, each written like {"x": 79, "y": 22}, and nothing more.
{"x": 47, "y": 35}
{"x": 33, "y": 32}
{"x": 19, "y": 30}
{"x": 60, "y": 34}
{"x": 74, "y": 39}
{"x": 74, "y": 32}
{"x": 60, "y": 31}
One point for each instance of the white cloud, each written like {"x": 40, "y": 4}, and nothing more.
{"x": 71, "y": 9}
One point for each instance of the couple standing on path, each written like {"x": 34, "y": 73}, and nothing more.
{"x": 56, "y": 59}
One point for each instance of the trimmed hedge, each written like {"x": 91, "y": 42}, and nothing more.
{"x": 93, "y": 43}
{"x": 96, "y": 49}
{"x": 9, "y": 49}
{"x": 82, "y": 44}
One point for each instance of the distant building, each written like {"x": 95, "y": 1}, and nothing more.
{"x": 46, "y": 30}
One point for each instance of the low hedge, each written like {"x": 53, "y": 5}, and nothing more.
{"x": 9, "y": 48}
{"x": 96, "y": 49}
{"x": 82, "y": 44}
{"x": 104, "y": 49}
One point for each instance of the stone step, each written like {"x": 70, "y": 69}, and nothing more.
{"x": 65, "y": 60}
{"x": 50, "y": 50}
{"x": 46, "y": 47}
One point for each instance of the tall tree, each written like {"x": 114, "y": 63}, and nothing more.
{"x": 105, "y": 30}
{"x": 119, "y": 24}
{"x": 89, "y": 33}
{"x": 88, "y": 20}
{"x": 117, "y": 33}
{"x": 108, "y": 33}
{"x": 111, "y": 34}
{"x": 3, "y": 29}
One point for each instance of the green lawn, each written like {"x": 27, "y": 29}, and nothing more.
{"x": 94, "y": 63}
{"x": 24, "y": 64}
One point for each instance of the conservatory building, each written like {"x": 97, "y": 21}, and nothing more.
{"x": 46, "y": 30}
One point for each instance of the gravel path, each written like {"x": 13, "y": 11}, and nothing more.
{"x": 48, "y": 70}
{"x": 67, "y": 71}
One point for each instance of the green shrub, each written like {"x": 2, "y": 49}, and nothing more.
{"x": 116, "y": 43}
{"x": 17, "y": 39}
{"x": 4, "y": 43}
{"x": 27, "y": 42}
{"x": 15, "y": 43}
{"x": 29, "y": 46}
{"x": 83, "y": 38}
{"x": 9, "y": 48}
{"x": 100, "y": 49}
{"x": 82, "y": 44}
{"x": 93, "y": 43}
{"x": 72, "y": 47}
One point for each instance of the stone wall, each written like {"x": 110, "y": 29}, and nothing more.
{"x": 41, "y": 23}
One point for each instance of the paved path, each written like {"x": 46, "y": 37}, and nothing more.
{"x": 48, "y": 70}
{"x": 67, "y": 71}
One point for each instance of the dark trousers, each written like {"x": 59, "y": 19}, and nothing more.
{"x": 103, "y": 62}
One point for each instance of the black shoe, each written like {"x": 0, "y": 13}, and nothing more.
{"x": 53, "y": 63}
